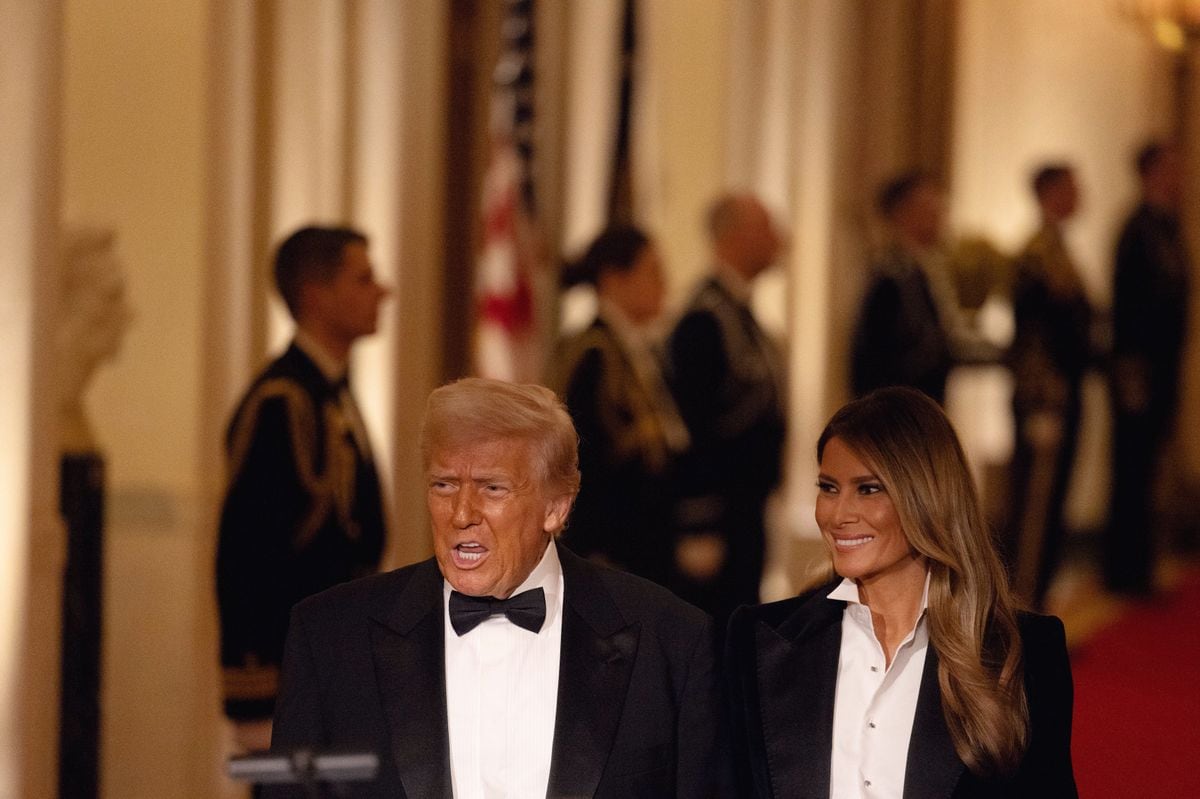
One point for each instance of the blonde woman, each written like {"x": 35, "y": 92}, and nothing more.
{"x": 910, "y": 674}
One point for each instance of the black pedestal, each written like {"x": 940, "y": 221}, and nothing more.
{"x": 82, "y": 505}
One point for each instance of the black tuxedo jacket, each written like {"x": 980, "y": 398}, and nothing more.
{"x": 782, "y": 674}
{"x": 637, "y": 710}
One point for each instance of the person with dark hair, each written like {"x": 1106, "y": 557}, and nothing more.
{"x": 629, "y": 428}
{"x": 505, "y": 665}
{"x": 302, "y": 508}
{"x": 910, "y": 671}
{"x": 903, "y": 335}
{"x": 1050, "y": 353}
{"x": 728, "y": 380}
{"x": 1151, "y": 288}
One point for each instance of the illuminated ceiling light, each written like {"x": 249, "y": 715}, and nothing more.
{"x": 1169, "y": 34}
{"x": 1174, "y": 24}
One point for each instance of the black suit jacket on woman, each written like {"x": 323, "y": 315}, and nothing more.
{"x": 637, "y": 700}
{"x": 782, "y": 673}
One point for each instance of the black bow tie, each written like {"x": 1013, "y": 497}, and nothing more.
{"x": 526, "y": 610}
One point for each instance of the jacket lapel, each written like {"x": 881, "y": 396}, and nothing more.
{"x": 598, "y": 648}
{"x": 797, "y": 677}
{"x": 409, "y": 652}
{"x": 932, "y": 768}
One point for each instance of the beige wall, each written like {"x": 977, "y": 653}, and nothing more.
{"x": 134, "y": 159}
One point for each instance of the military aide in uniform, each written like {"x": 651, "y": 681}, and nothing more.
{"x": 302, "y": 509}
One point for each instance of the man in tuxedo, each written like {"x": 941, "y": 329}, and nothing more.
{"x": 302, "y": 508}
{"x": 505, "y": 666}
{"x": 727, "y": 377}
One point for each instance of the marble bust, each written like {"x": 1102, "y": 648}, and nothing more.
{"x": 93, "y": 315}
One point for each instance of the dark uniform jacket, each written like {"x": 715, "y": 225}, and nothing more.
{"x": 302, "y": 512}
{"x": 1150, "y": 303}
{"x": 623, "y": 511}
{"x": 638, "y": 706}
{"x": 727, "y": 379}
{"x": 1052, "y": 341}
{"x": 781, "y": 671}
{"x": 899, "y": 339}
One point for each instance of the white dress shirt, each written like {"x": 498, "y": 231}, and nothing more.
{"x": 502, "y": 696}
{"x": 875, "y": 704}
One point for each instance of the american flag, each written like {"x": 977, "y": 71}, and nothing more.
{"x": 506, "y": 343}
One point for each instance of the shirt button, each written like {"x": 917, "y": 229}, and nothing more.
{"x": 871, "y": 724}
{"x": 874, "y": 668}
{"x": 867, "y": 783}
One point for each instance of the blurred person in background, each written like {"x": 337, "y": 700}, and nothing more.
{"x": 909, "y": 311}
{"x": 302, "y": 508}
{"x": 1151, "y": 282}
{"x": 630, "y": 431}
{"x": 1050, "y": 353}
{"x": 727, "y": 377}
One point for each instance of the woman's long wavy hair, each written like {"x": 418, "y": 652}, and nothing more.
{"x": 910, "y": 445}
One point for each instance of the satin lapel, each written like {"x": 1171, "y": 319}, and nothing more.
{"x": 409, "y": 653}
{"x": 933, "y": 767}
{"x": 797, "y": 677}
{"x": 598, "y": 649}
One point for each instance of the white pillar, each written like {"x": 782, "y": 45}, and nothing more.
{"x": 819, "y": 166}
{"x": 31, "y": 535}
{"x": 396, "y": 179}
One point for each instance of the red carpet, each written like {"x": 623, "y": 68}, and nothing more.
{"x": 1137, "y": 701}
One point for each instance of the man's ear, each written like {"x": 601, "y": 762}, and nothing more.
{"x": 557, "y": 510}
{"x": 308, "y": 301}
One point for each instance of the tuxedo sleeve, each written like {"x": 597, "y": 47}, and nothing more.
{"x": 298, "y": 709}
{"x": 1047, "y": 765}
{"x": 741, "y": 705}
{"x": 297, "y": 712}
{"x": 704, "y": 766}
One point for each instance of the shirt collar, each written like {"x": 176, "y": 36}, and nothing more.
{"x": 847, "y": 591}
{"x": 546, "y": 575}
{"x": 329, "y": 366}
